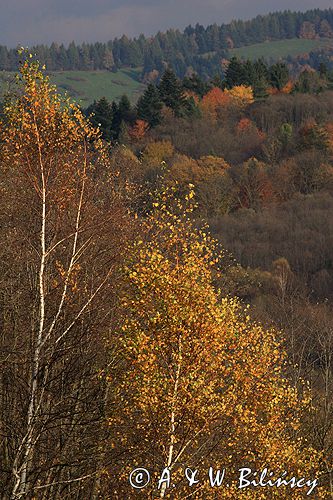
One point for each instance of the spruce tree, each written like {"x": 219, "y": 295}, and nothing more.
{"x": 235, "y": 74}
{"x": 195, "y": 84}
{"x": 279, "y": 75}
{"x": 116, "y": 120}
{"x": 125, "y": 108}
{"x": 171, "y": 92}
{"x": 102, "y": 116}
{"x": 149, "y": 106}
{"x": 123, "y": 112}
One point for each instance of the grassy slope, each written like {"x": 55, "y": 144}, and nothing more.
{"x": 85, "y": 86}
{"x": 280, "y": 48}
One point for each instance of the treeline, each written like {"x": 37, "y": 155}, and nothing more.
{"x": 190, "y": 96}
{"x": 197, "y": 48}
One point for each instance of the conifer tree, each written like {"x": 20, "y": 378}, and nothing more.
{"x": 122, "y": 113}
{"x": 196, "y": 85}
{"x": 125, "y": 108}
{"x": 279, "y": 75}
{"x": 116, "y": 120}
{"x": 235, "y": 74}
{"x": 101, "y": 116}
{"x": 149, "y": 106}
{"x": 171, "y": 92}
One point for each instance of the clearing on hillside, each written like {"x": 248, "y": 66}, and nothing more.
{"x": 281, "y": 48}
{"x": 86, "y": 86}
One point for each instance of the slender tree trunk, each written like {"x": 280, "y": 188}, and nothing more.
{"x": 27, "y": 444}
{"x": 172, "y": 416}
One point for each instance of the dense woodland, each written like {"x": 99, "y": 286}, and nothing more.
{"x": 197, "y": 49}
{"x": 166, "y": 284}
{"x": 257, "y": 146}
{"x": 193, "y": 97}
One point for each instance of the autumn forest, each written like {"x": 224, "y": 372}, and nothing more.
{"x": 166, "y": 281}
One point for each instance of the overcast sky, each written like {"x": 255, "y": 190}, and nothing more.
{"x": 28, "y": 22}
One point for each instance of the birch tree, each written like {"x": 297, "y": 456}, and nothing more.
{"x": 62, "y": 228}
{"x": 203, "y": 385}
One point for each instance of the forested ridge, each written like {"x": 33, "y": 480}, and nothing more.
{"x": 166, "y": 285}
{"x": 198, "y": 48}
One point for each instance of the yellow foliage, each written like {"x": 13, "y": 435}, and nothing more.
{"x": 203, "y": 384}
{"x": 209, "y": 174}
{"x": 241, "y": 95}
{"x": 156, "y": 152}
{"x": 185, "y": 170}
{"x": 39, "y": 127}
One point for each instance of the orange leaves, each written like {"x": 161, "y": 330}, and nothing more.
{"x": 215, "y": 97}
{"x": 240, "y": 96}
{"x": 63, "y": 229}
{"x": 244, "y": 124}
{"x": 212, "y": 100}
{"x": 138, "y": 131}
{"x": 40, "y": 129}
{"x": 287, "y": 89}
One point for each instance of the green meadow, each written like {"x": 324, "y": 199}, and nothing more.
{"x": 85, "y": 86}
{"x": 281, "y": 48}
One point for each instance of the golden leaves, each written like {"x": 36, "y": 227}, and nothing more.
{"x": 242, "y": 95}
{"x": 43, "y": 131}
{"x": 197, "y": 360}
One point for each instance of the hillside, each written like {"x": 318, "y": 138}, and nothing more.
{"x": 281, "y": 48}
{"x": 198, "y": 47}
{"x": 166, "y": 261}
{"x": 91, "y": 71}
{"x": 86, "y": 86}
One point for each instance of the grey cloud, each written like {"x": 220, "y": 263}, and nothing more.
{"x": 43, "y": 21}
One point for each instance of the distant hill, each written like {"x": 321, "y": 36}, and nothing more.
{"x": 123, "y": 65}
